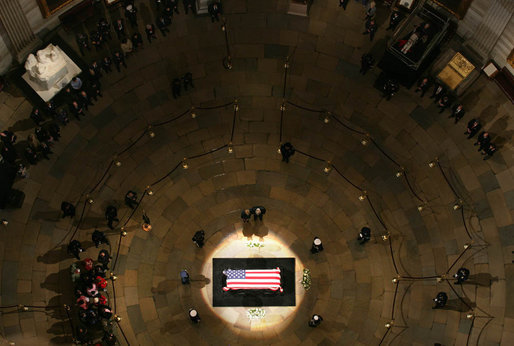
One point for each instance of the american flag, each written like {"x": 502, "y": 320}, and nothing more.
{"x": 253, "y": 279}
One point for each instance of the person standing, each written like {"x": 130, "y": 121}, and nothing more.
{"x": 245, "y": 215}
{"x": 422, "y": 86}
{"x": 461, "y": 275}
{"x": 440, "y": 300}
{"x": 371, "y": 29}
{"x": 131, "y": 199}
{"x": 194, "y": 316}
{"x": 215, "y": 10}
{"x": 394, "y": 20}
{"x": 364, "y": 235}
{"x": 111, "y": 214}
{"x": 483, "y": 140}
{"x": 258, "y": 212}
{"x": 315, "y": 321}
{"x": 343, "y": 4}
{"x": 131, "y": 15}
{"x": 150, "y": 32}
{"x": 367, "y": 62}
{"x": 287, "y": 150}
{"x": 67, "y": 209}
{"x": 317, "y": 246}
{"x": 175, "y": 87}
{"x": 472, "y": 128}
{"x": 104, "y": 258}
{"x": 199, "y": 238}
{"x": 119, "y": 59}
{"x": 75, "y": 248}
{"x": 457, "y": 112}
{"x": 99, "y": 238}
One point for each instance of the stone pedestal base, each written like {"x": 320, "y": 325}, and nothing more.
{"x": 298, "y": 8}
{"x": 47, "y": 94}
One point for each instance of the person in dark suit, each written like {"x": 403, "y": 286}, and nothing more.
{"x": 174, "y": 5}
{"x": 75, "y": 248}
{"x": 175, "y": 87}
{"x": 36, "y": 116}
{"x": 189, "y": 5}
{"x": 111, "y": 214}
{"x": 104, "y": 258}
{"x": 84, "y": 99}
{"x": 472, "y": 128}
{"x": 188, "y": 80}
{"x": 461, "y": 275}
{"x": 77, "y": 110}
{"x": 443, "y": 103}
{"x": 194, "y": 316}
{"x": 364, "y": 235}
{"x": 440, "y": 300}
{"x": 315, "y": 321}
{"x": 184, "y": 277}
{"x": 199, "y": 238}
{"x": 438, "y": 92}
{"x": 391, "y": 87}
{"x": 483, "y": 140}
{"x": 457, "y": 112}
{"x": 67, "y": 209}
{"x": 367, "y": 62}
{"x": 215, "y": 10}
{"x": 258, "y": 212}
{"x": 83, "y": 43}
{"x": 131, "y": 199}
{"x": 489, "y": 151}
{"x": 317, "y": 246}
{"x": 343, "y": 4}
{"x": 394, "y": 20}
{"x": 99, "y": 238}
{"x": 162, "y": 25}
{"x": 109, "y": 338}
{"x": 423, "y": 86}
{"x": 287, "y": 150}
{"x": 119, "y": 27}
{"x": 137, "y": 41}
{"x": 150, "y": 32}
{"x": 106, "y": 64}
{"x": 131, "y": 15}
{"x": 371, "y": 29}
{"x": 119, "y": 59}
{"x": 96, "y": 68}
{"x": 245, "y": 215}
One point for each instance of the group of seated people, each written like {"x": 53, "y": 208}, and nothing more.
{"x": 90, "y": 289}
{"x": 443, "y": 99}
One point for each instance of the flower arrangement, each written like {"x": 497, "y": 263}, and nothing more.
{"x": 306, "y": 279}
{"x": 255, "y": 314}
{"x": 254, "y": 244}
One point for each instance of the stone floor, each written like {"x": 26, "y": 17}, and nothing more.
{"x": 352, "y": 286}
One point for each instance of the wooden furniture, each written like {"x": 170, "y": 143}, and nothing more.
{"x": 502, "y": 77}
{"x": 48, "y": 7}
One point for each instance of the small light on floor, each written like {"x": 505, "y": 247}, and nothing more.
{"x": 113, "y": 277}
{"x": 123, "y": 233}
{"x": 236, "y": 107}
{"x": 466, "y": 246}
{"x": 362, "y": 197}
{"x": 278, "y": 150}
{"x": 395, "y": 280}
{"x": 117, "y": 318}
{"x": 90, "y": 201}
{"x": 282, "y": 107}
{"x": 184, "y": 164}
{"x": 118, "y": 163}
{"x": 149, "y": 191}
{"x": 420, "y": 208}
{"x": 328, "y": 167}
{"x": 470, "y": 316}
{"x": 385, "y": 236}
{"x": 399, "y": 174}
{"x": 389, "y": 324}
{"x": 326, "y": 118}
{"x": 364, "y": 141}
{"x": 286, "y": 65}
{"x": 5, "y": 222}
{"x": 457, "y": 206}
{"x": 193, "y": 114}
{"x": 230, "y": 148}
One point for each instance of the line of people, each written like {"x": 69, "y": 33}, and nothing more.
{"x": 442, "y": 99}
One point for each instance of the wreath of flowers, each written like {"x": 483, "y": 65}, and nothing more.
{"x": 306, "y": 279}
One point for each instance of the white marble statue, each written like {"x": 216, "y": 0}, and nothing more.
{"x": 47, "y": 67}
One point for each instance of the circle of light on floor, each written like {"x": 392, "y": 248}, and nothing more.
{"x": 236, "y": 245}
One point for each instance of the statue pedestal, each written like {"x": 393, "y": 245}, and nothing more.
{"x": 61, "y": 76}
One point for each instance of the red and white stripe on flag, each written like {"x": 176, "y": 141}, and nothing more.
{"x": 253, "y": 279}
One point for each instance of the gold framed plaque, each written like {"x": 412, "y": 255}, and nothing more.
{"x": 457, "y": 69}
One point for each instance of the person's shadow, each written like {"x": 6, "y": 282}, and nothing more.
{"x": 55, "y": 255}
